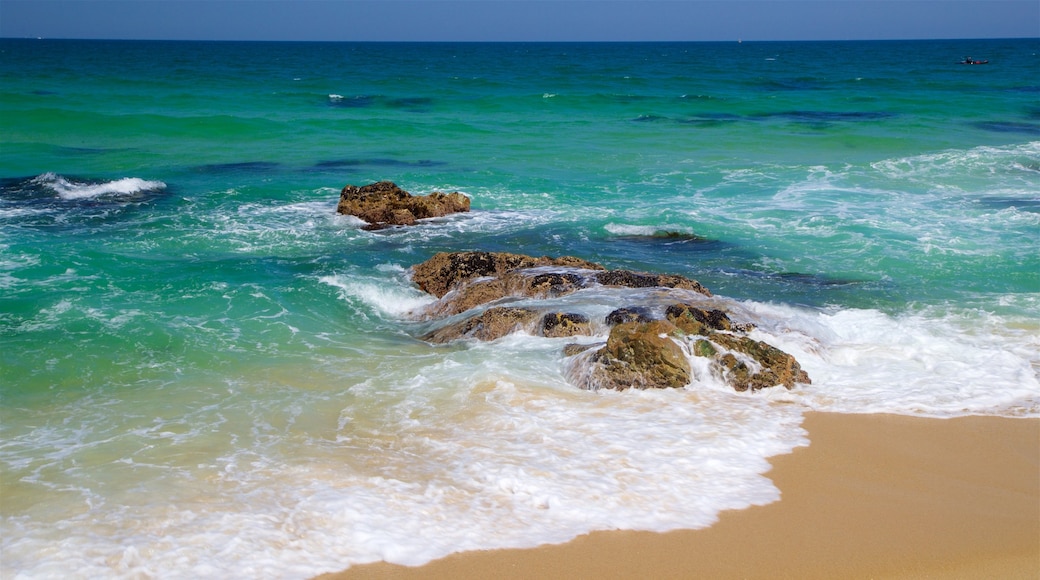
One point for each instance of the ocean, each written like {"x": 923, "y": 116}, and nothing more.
{"x": 205, "y": 372}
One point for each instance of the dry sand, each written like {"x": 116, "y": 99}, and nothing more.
{"x": 873, "y": 496}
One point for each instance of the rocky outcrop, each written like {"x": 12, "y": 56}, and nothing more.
{"x": 648, "y": 346}
{"x": 742, "y": 362}
{"x": 383, "y": 204}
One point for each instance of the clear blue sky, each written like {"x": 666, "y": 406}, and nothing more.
{"x": 532, "y": 20}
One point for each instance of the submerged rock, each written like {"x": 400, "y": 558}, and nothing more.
{"x": 384, "y": 204}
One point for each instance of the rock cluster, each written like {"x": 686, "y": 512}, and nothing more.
{"x": 383, "y": 204}
{"x": 648, "y": 346}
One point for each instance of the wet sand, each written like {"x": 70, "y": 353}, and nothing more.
{"x": 873, "y": 496}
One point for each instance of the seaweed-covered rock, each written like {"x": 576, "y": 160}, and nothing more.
{"x": 629, "y": 279}
{"x": 384, "y": 204}
{"x": 776, "y": 366}
{"x": 693, "y": 320}
{"x": 629, "y": 314}
{"x": 557, "y": 324}
{"x": 641, "y": 355}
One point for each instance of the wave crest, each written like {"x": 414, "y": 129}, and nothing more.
{"x": 70, "y": 189}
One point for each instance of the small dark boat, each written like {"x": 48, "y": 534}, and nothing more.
{"x": 969, "y": 60}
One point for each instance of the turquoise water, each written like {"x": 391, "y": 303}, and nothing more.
{"x": 204, "y": 369}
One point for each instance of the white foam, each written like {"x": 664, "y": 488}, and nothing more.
{"x": 71, "y": 190}
{"x": 474, "y": 448}
{"x": 916, "y": 363}
{"x": 983, "y": 161}
{"x": 19, "y": 212}
{"x": 408, "y": 452}
{"x": 389, "y": 300}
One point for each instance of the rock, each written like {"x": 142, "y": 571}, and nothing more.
{"x": 704, "y": 348}
{"x": 384, "y": 204}
{"x": 492, "y": 324}
{"x": 445, "y": 271}
{"x": 641, "y": 355}
{"x": 548, "y": 284}
{"x": 629, "y": 314}
{"x": 465, "y": 297}
{"x": 574, "y": 349}
{"x": 777, "y": 367}
{"x": 693, "y": 320}
{"x": 640, "y": 352}
{"x": 629, "y": 279}
{"x": 557, "y": 324}
{"x": 520, "y": 283}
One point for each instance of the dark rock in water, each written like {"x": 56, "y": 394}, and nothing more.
{"x": 665, "y": 236}
{"x": 629, "y": 314}
{"x": 640, "y": 355}
{"x": 693, "y": 320}
{"x": 445, "y": 271}
{"x": 629, "y": 279}
{"x": 492, "y": 324}
{"x": 383, "y": 204}
{"x": 557, "y": 324}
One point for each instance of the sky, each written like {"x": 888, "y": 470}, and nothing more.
{"x": 519, "y": 20}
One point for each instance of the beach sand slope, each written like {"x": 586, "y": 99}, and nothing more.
{"x": 873, "y": 496}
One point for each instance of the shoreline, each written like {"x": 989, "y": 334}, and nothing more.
{"x": 872, "y": 496}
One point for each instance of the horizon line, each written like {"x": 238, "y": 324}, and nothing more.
{"x": 628, "y": 41}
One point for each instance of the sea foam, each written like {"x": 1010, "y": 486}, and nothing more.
{"x": 72, "y": 190}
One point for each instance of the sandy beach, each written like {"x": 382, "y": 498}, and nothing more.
{"x": 873, "y": 496}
